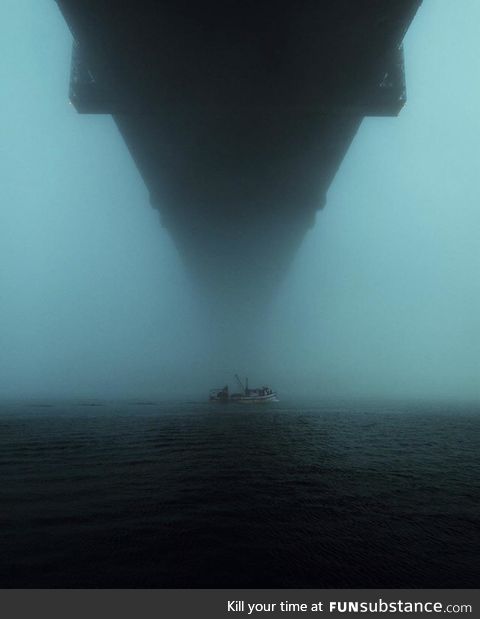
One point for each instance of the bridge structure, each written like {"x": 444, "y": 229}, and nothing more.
{"x": 238, "y": 113}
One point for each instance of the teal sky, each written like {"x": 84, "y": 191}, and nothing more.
{"x": 383, "y": 298}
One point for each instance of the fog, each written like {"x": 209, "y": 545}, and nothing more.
{"x": 382, "y": 299}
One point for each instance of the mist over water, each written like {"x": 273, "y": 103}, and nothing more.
{"x": 383, "y": 296}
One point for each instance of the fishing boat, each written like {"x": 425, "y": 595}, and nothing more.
{"x": 247, "y": 394}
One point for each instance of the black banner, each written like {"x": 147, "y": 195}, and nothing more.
{"x": 237, "y": 603}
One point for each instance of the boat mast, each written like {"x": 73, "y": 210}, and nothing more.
{"x": 240, "y": 383}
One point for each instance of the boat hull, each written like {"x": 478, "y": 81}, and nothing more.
{"x": 271, "y": 397}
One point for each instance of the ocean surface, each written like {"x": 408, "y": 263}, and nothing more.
{"x": 166, "y": 494}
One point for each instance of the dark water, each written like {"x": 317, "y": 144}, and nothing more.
{"x": 199, "y": 495}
